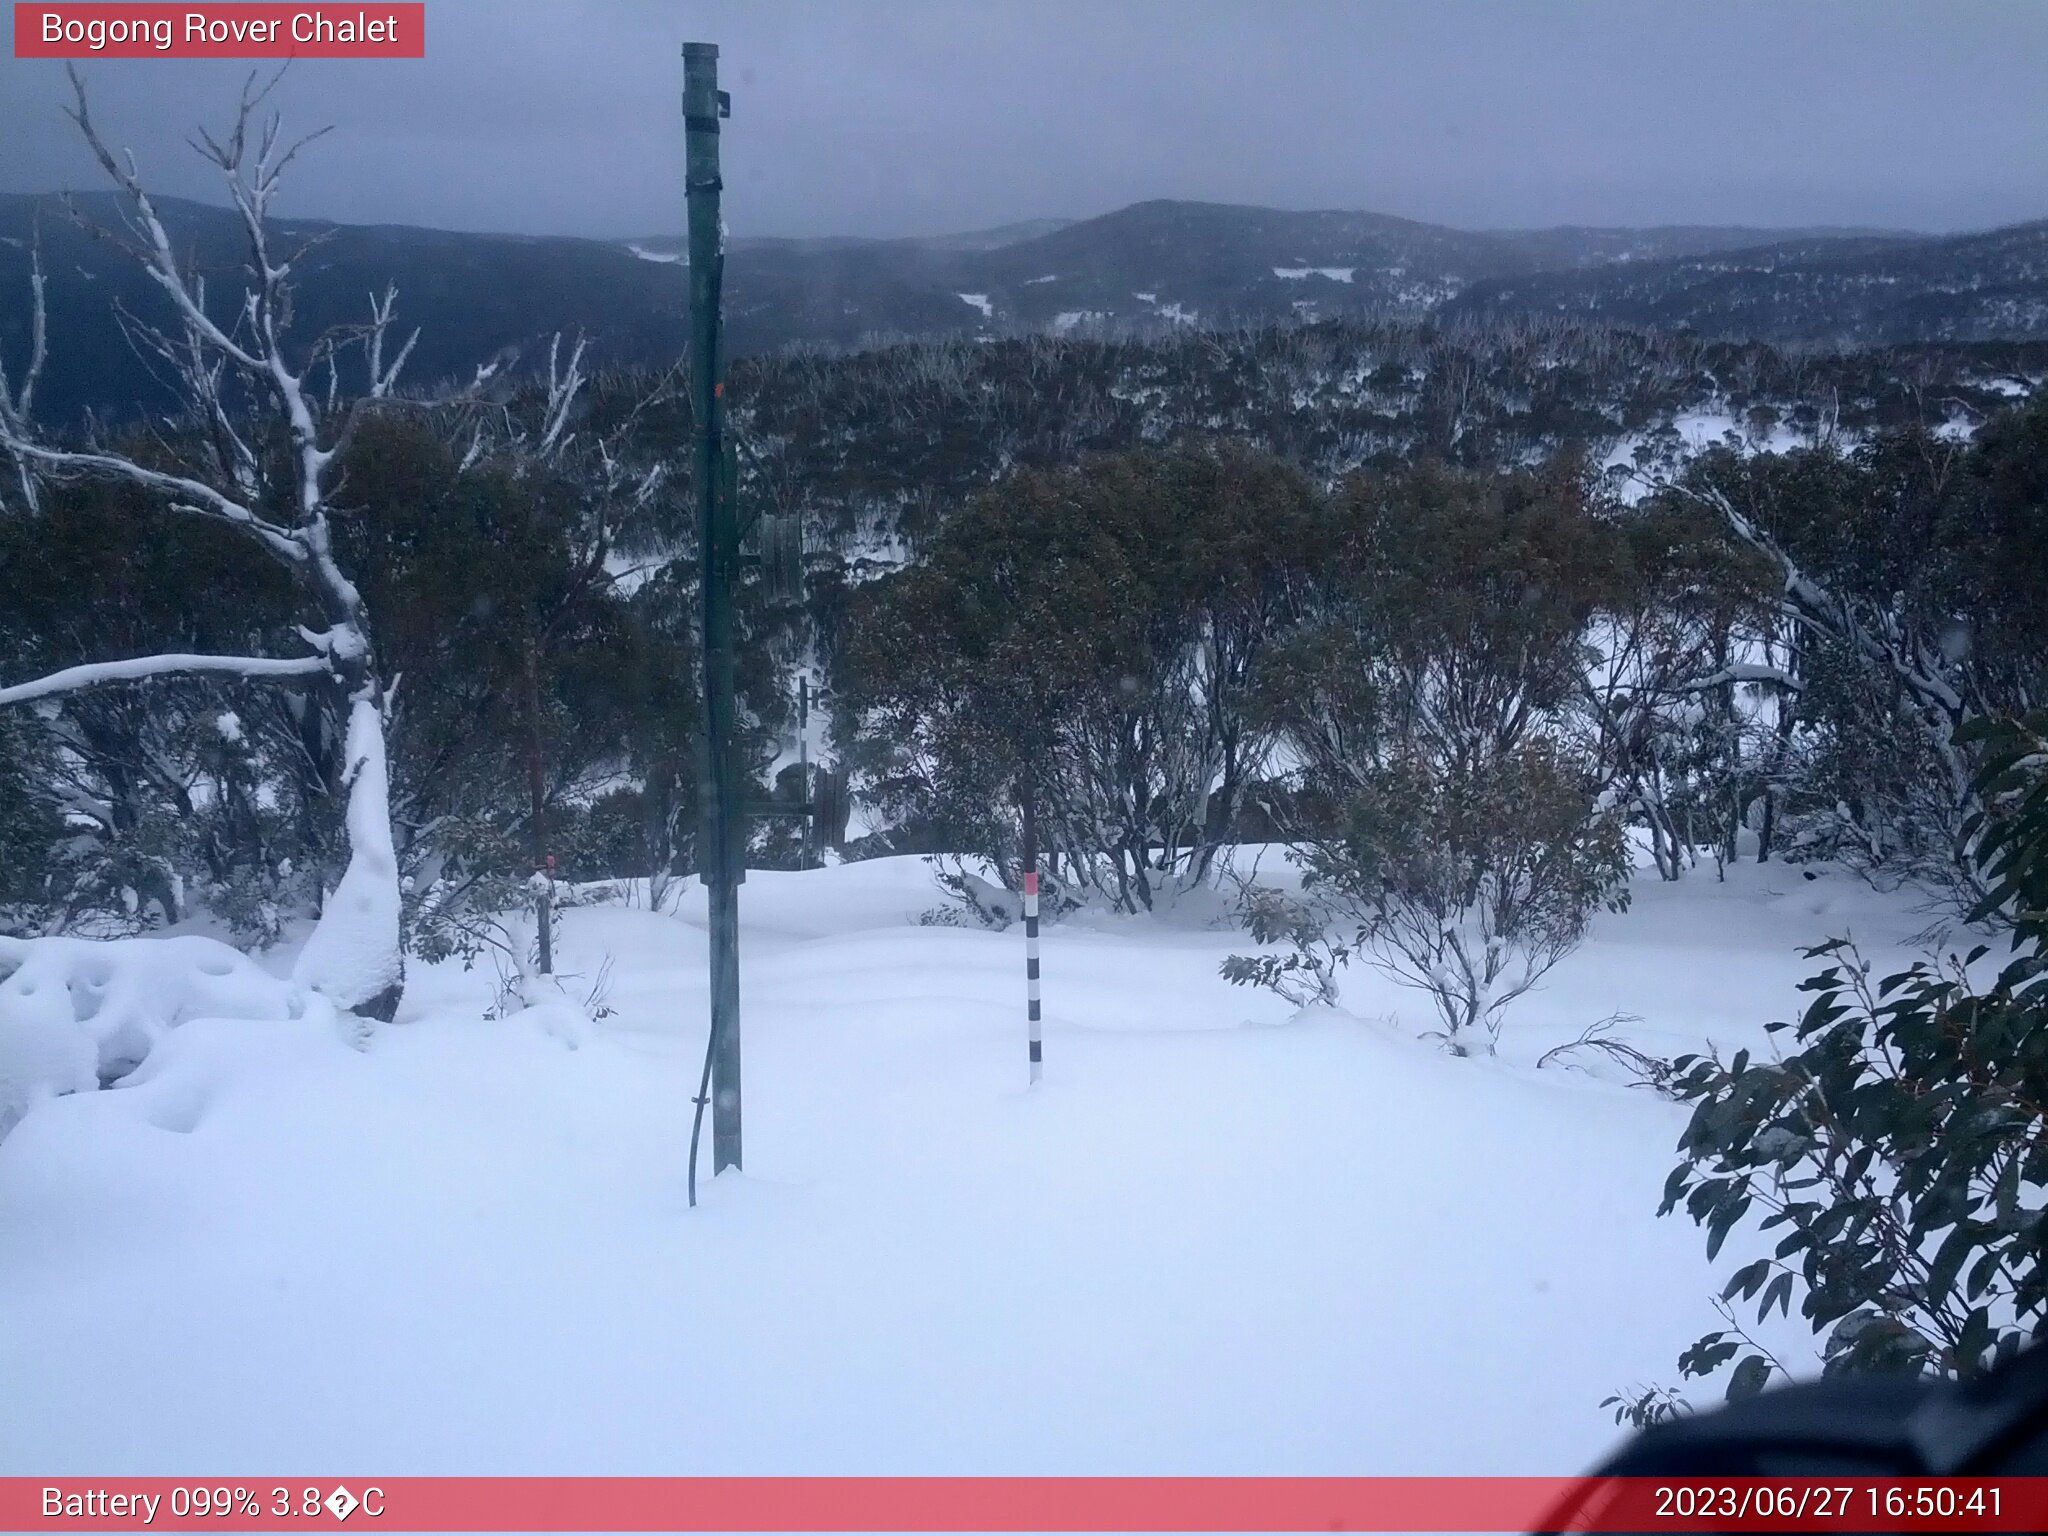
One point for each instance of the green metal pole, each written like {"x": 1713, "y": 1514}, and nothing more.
{"x": 721, "y": 844}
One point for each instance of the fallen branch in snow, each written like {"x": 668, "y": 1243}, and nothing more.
{"x": 1648, "y": 1071}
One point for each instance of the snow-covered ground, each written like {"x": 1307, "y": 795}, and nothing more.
{"x": 1296, "y": 274}
{"x": 1217, "y": 1239}
{"x": 1686, "y": 434}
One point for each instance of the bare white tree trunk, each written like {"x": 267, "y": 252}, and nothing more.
{"x": 354, "y": 955}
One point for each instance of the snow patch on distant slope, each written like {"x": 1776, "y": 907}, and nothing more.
{"x": 645, "y": 254}
{"x": 2011, "y": 386}
{"x": 980, "y": 301}
{"x": 1176, "y": 312}
{"x": 1424, "y": 295}
{"x": 1296, "y": 274}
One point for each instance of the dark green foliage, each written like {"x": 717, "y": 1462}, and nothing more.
{"x": 884, "y": 442}
{"x": 141, "y": 798}
{"x": 530, "y": 686}
{"x": 1688, "y": 758}
{"x": 35, "y": 874}
{"x": 1447, "y": 611}
{"x": 526, "y": 685}
{"x": 1899, "y": 1150}
{"x": 1448, "y": 826}
{"x": 1093, "y": 634}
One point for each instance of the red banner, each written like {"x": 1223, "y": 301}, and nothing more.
{"x": 1194, "y": 1504}
{"x": 215, "y": 31}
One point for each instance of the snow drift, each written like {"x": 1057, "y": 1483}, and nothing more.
{"x": 76, "y": 1013}
{"x": 1221, "y": 1237}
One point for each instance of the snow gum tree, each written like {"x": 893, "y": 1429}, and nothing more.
{"x": 1444, "y": 813}
{"x": 1908, "y": 575}
{"x": 1092, "y": 637}
{"x": 1684, "y": 701}
{"x": 266, "y": 421}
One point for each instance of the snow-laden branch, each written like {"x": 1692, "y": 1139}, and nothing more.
{"x": 186, "y": 494}
{"x": 1742, "y": 672}
{"x": 1881, "y": 638}
{"x": 562, "y": 388}
{"x": 158, "y": 258}
{"x": 17, "y": 402}
{"x": 382, "y": 379}
{"x": 97, "y": 673}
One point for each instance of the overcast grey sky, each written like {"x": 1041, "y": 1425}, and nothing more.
{"x": 885, "y": 117}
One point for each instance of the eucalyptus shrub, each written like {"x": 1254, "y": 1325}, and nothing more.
{"x": 1900, "y": 1152}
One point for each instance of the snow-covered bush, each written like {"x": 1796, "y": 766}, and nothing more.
{"x": 1911, "y": 570}
{"x": 78, "y": 1013}
{"x": 1306, "y": 975}
{"x": 1466, "y": 883}
{"x": 984, "y": 903}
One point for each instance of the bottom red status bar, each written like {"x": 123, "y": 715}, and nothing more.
{"x": 1193, "y": 1504}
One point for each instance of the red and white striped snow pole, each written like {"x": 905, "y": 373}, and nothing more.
{"x": 1028, "y": 807}
{"x": 1031, "y": 970}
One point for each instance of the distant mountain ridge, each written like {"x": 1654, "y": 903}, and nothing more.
{"x": 1847, "y": 292}
{"x": 1152, "y": 266}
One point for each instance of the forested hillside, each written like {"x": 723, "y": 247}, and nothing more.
{"x": 541, "y": 602}
{"x": 1844, "y": 293}
{"x": 1142, "y": 271}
